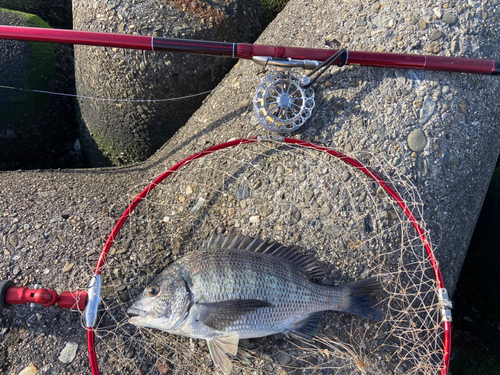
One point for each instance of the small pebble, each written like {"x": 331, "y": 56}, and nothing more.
{"x": 345, "y": 176}
{"x": 463, "y": 107}
{"x": 376, "y": 7}
{"x": 283, "y": 358}
{"x": 361, "y": 22}
{"x": 254, "y": 120}
{"x": 254, "y": 219}
{"x": 296, "y": 214}
{"x": 445, "y": 89}
{"x": 243, "y": 192}
{"x": 68, "y": 267}
{"x": 308, "y": 195}
{"x": 332, "y": 231}
{"x": 428, "y": 108}
{"x": 435, "y": 47}
{"x": 197, "y": 206}
{"x": 400, "y": 76}
{"x": 68, "y": 354}
{"x": 381, "y": 193}
{"x": 422, "y": 24}
{"x": 469, "y": 97}
{"x": 14, "y": 240}
{"x": 449, "y": 18}
{"x": 162, "y": 367}
{"x": 30, "y": 370}
{"x": 417, "y": 140}
{"x": 130, "y": 353}
{"x": 435, "y": 35}
{"x": 362, "y": 197}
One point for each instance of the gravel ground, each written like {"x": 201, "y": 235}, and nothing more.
{"x": 434, "y": 129}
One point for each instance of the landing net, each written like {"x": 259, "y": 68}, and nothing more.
{"x": 326, "y": 203}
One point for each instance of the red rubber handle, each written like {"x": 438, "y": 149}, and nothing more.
{"x": 19, "y": 295}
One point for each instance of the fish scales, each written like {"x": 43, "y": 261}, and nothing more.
{"x": 246, "y": 275}
{"x": 241, "y": 287}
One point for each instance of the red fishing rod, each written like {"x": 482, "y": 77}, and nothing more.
{"x": 271, "y": 55}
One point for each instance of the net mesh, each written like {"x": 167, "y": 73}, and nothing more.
{"x": 292, "y": 195}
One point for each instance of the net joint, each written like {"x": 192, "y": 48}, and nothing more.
{"x": 446, "y": 305}
{"x": 94, "y": 298}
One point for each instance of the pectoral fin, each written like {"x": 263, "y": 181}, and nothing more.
{"x": 220, "y": 315}
{"x": 218, "y": 348}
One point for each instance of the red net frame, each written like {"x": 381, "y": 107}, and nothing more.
{"x": 353, "y": 162}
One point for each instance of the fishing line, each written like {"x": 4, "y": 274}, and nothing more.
{"x": 124, "y": 100}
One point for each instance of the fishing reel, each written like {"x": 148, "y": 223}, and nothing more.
{"x": 284, "y": 100}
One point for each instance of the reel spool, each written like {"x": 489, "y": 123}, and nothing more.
{"x": 281, "y": 104}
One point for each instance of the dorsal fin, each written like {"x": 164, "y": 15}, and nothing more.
{"x": 237, "y": 241}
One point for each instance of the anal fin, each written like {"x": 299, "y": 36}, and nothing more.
{"x": 218, "y": 348}
{"x": 309, "y": 327}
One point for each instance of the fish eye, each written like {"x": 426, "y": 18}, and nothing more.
{"x": 153, "y": 290}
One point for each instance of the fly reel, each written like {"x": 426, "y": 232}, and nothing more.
{"x": 284, "y": 100}
{"x": 281, "y": 104}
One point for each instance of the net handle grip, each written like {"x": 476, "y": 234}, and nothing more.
{"x": 20, "y": 295}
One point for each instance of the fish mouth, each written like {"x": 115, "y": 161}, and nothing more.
{"x": 136, "y": 316}
{"x": 132, "y": 310}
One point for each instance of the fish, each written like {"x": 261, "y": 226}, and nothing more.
{"x": 239, "y": 287}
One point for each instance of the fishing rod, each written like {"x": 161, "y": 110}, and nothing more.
{"x": 284, "y": 100}
{"x": 288, "y": 57}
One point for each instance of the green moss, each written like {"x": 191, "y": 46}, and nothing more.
{"x": 39, "y": 74}
{"x": 270, "y": 9}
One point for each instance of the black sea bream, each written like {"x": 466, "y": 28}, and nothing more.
{"x": 239, "y": 287}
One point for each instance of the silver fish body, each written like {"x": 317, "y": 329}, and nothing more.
{"x": 239, "y": 287}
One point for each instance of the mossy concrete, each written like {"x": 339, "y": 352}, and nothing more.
{"x": 29, "y": 131}
{"x": 57, "y": 13}
{"x": 131, "y": 128}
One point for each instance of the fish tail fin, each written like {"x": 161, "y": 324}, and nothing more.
{"x": 361, "y": 297}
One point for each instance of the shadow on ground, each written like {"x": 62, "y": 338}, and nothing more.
{"x": 476, "y": 336}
